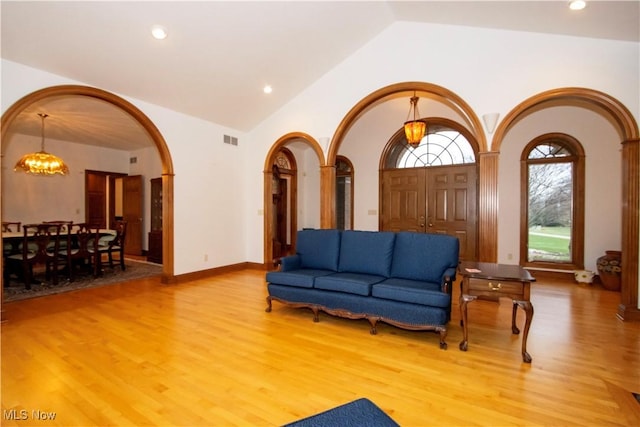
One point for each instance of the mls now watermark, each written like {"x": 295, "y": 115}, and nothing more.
{"x": 23, "y": 415}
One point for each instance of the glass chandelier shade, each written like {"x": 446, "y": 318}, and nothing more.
{"x": 415, "y": 129}
{"x": 41, "y": 162}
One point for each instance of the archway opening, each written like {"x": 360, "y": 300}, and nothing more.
{"x": 149, "y": 127}
{"x": 627, "y": 127}
{"x": 271, "y": 176}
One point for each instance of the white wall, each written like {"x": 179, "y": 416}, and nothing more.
{"x": 218, "y": 187}
{"x": 492, "y": 70}
{"x": 208, "y": 206}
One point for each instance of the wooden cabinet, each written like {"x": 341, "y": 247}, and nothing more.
{"x": 154, "y": 254}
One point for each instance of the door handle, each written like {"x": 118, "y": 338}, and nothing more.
{"x": 422, "y": 221}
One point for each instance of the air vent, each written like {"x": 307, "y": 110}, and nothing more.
{"x": 230, "y": 140}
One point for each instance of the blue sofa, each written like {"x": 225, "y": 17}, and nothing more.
{"x": 404, "y": 279}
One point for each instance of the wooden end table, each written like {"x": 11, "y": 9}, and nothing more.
{"x": 489, "y": 281}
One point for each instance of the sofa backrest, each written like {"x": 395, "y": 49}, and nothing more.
{"x": 368, "y": 252}
{"x": 420, "y": 256}
{"x": 318, "y": 249}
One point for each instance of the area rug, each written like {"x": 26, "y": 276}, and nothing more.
{"x": 15, "y": 291}
{"x": 361, "y": 412}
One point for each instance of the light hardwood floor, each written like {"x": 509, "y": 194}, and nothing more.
{"x": 205, "y": 353}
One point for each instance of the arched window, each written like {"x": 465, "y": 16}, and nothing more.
{"x": 441, "y": 146}
{"x": 344, "y": 193}
{"x": 552, "y": 220}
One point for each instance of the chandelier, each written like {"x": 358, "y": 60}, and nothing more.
{"x": 41, "y": 163}
{"x": 414, "y": 129}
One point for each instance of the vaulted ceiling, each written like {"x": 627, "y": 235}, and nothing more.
{"x": 219, "y": 55}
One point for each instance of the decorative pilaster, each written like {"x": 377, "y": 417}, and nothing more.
{"x": 327, "y": 196}
{"x": 628, "y": 308}
{"x": 488, "y": 206}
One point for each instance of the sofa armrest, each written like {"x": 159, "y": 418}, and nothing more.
{"x": 448, "y": 277}
{"x": 291, "y": 262}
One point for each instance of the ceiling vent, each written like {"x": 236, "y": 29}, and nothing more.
{"x": 230, "y": 140}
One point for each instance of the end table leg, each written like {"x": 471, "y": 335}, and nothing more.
{"x": 528, "y": 309}
{"x": 514, "y": 328}
{"x": 464, "y": 300}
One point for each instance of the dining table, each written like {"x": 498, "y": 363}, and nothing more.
{"x": 12, "y": 244}
{"x": 11, "y": 240}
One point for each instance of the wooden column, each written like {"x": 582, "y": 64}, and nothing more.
{"x": 628, "y": 308}
{"x": 327, "y": 196}
{"x": 168, "y": 273}
{"x": 488, "y": 206}
{"x": 266, "y": 219}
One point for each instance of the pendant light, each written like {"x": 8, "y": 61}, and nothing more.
{"x": 414, "y": 129}
{"x": 41, "y": 163}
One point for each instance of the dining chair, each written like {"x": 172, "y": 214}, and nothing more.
{"x": 64, "y": 225}
{"x": 65, "y": 228}
{"x": 114, "y": 245}
{"x": 10, "y": 226}
{"x": 80, "y": 249}
{"x": 40, "y": 245}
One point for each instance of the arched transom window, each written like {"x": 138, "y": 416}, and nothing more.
{"x": 441, "y": 146}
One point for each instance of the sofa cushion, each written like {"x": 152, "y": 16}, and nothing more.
{"x": 423, "y": 257}
{"x": 409, "y": 283}
{"x": 351, "y": 283}
{"x": 303, "y": 278}
{"x": 411, "y": 291}
{"x": 318, "y": 249}
{"x": 368, "y": 252}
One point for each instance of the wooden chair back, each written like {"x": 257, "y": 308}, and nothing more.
{"x": 40, "y": 245}
{"x": 11, "y": 226}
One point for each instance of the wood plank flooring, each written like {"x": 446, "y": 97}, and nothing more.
{"x": 205, "y": 353}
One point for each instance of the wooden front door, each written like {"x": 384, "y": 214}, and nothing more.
{"x": 403, "y": 200}
{"x": 440, "y": 199}
{"x": 132, "y": 202}
{"x": 452, "y": 205}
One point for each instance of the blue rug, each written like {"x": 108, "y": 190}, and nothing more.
{"x": 360, "y": 413}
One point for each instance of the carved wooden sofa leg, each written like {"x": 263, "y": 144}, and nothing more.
{"x": 373, "y": 321}
{"x": 443, "y": 337}
{"x": 268, "y": 309}
{"x": 316, "y": 314}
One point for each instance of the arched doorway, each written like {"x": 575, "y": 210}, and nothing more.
{"x": 284, "y": 190}
{"x": 627, "y": 128}
{"x": 456, "y": 104}
{"x": 269, "y": 175}
{"x": 167, "y": 165}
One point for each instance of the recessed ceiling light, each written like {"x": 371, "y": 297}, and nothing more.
{"x": 267, "y": 89}
{"x": 577, "y": 4}
{"x": 159, "y": 32}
